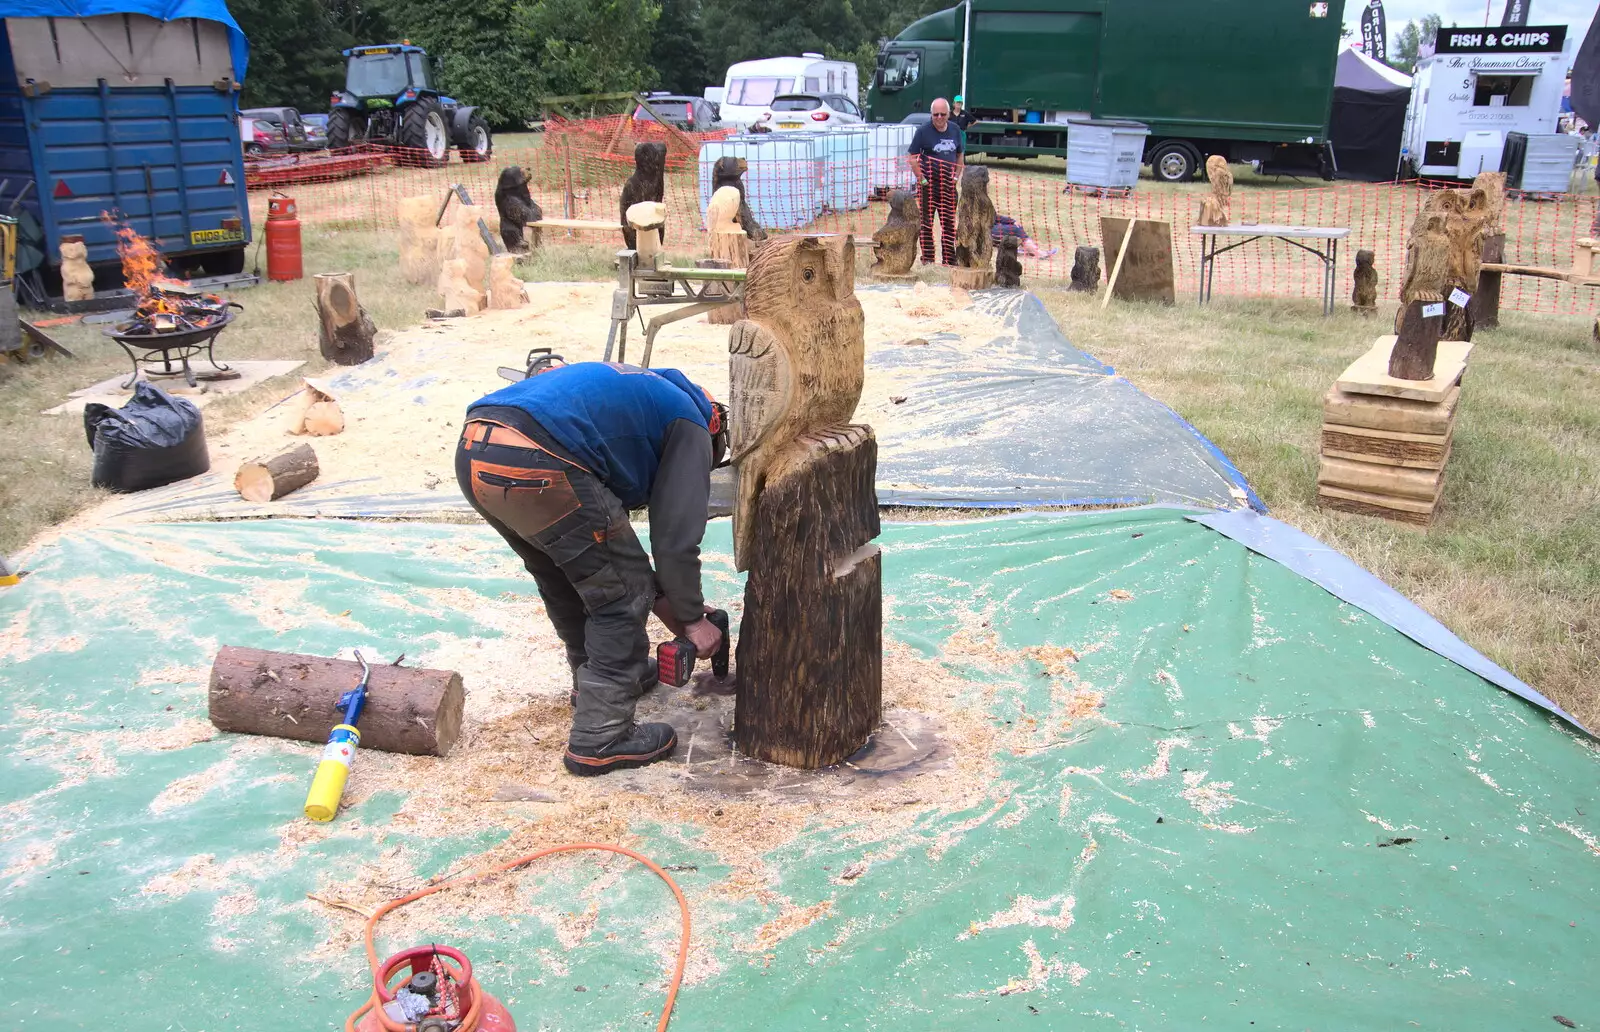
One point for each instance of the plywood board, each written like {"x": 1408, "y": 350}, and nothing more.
{"x": 1377, "y": 412}
{"x": 1147, "y": 271}
{"x": 1374, "y": 478}
{"x": 1392, "y": 448}
{"x": 1398, "y": 509}
{"x": 1369, "y": 374}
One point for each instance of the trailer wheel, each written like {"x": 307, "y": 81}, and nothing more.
{"x": 1174, "y": 162}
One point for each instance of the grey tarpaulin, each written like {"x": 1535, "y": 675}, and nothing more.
{"x": 1342, "y": 578}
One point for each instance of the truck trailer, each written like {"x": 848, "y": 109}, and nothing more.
{"x": 123, "y": 111}
{"x": 1250, "y": 81}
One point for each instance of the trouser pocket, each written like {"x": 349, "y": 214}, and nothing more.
{"x": 526, "y": 500}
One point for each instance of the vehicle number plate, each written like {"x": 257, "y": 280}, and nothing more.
{"x": 217, "y": 236}
{"x": 790, "y": 125}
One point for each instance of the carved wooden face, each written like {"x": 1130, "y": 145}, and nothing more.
{"x": 1364, "y": 259}
{"x": 904, "y": 204}
{"x": 824, "y": 272}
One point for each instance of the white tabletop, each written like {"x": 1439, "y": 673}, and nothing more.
{"x": 1245, "y": 229}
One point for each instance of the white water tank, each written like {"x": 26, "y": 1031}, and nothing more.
{"x": 845, "y": 157}
{"x": 886, "y": 156}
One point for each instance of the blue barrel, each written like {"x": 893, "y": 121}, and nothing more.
{"x": 846, "y": 153}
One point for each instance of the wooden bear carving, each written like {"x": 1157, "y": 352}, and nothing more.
{"x": 77, "y": 278}
{"x": 895, "y": 242}
{"x": 974, "y": 231}
{"x": 517, "y": 208}
{"x": 648, "y": 183}
{"x": 730, "y": 172}
{"x": 1007, "y": 267}
{"x": 1364, "y": 298}
{"x": 810, "y": 657}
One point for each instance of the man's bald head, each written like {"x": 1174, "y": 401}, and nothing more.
{"x": 940, "y": 106}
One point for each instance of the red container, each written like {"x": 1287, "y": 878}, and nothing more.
{"x": 283, "y": 240}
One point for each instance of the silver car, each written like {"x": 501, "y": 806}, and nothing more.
{"x": 797, "y": 112}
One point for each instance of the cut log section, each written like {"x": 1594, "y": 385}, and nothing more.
{"x": 315, "y": 412}
{"x": 268, "y": 479}
{"x": 346, "y": 332}
{"x": 286, "y": 695}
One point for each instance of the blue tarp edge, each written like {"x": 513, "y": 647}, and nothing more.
{"x": 165, "y": 10}
{"x": 1341, "y": 577}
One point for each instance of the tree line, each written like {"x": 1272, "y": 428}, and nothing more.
{"x": 502, "y": 55}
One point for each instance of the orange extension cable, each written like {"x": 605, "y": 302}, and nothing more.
{"x": 469, "y": 1022}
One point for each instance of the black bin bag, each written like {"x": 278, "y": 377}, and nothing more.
{"x": 152, "y": 440}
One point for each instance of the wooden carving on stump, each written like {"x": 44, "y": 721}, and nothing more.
{"x": 517, "y": 208}
{"x": 810, "y": 657}
{"x": 1217, "y": 210}
{"x": 730, "y": 172}
{"x": 1007, "y": 267}
{"x": 1364, "y": 298}
{"x": 730, "y": 248}
{"x": 648, "y": 183}
{"x": 895, "y": 242}
{"x": 1427, "y": 271}
{"x": 1086, "y": 268}
{"x": 974, "y": 232}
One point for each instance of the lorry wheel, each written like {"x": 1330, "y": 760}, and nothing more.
{"x": 424, "y": 135}
{"x": 344, "y": 127}
{"x": 479, "y": 144}
{"x": 1174, "y": 163}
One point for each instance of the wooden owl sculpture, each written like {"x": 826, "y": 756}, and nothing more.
{"x": 1493, "y": 185}
{"x": 796, "y": 364}
{"x": 1007, "y": 267}
{"x": 1427, "y": 263}
{"x": 1217, "y": 210}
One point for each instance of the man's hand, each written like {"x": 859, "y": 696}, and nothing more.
{"x": 706, "y": 637}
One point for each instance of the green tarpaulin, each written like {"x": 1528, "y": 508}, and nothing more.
{"x": 1189, "y": 789}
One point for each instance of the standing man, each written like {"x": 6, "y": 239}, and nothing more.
{"x": 554, "y": 464}
{"x": 959, "y": 117}
{"x": 936, "y": 156}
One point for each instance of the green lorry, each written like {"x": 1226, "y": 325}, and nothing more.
{"x": 1252, "y": 81}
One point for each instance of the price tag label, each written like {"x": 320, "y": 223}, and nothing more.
{"x": 1433, "y": 311}
{"x": 1459, "y": 297}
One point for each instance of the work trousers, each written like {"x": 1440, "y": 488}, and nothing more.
{"x": 573, "y": 535}
{"x": 936, "y": 197}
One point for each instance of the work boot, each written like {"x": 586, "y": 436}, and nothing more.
{"x": 643, "y": 744}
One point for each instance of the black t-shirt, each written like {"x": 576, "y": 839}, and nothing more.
{"x": 946, "y": 146}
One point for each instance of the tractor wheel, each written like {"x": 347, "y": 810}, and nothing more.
{"x": 424, "y": 135}
{"x": 479, "y": 144}
{"x": 344, "y": 128}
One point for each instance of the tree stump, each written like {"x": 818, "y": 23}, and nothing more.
{"x": 1417, "y": 344}
{"x": 346, "y": 331}
{"x": 810, "y": 657}
{"x": 1085, "y": 268}
{"x": 286, "y": 695}
{"x": 1485, "y": 304}
{"x": 270, "y": 478}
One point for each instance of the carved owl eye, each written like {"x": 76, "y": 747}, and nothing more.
{"x": 808, "y": 273}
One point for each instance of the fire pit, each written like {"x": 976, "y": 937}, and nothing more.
{"x": 170, "y": 326}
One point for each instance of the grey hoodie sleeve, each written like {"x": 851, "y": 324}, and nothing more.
{"x": 678, "y": 501}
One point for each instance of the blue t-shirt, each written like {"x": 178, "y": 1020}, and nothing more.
{"x": 946, "y": 146}
{"x": 612, "y": 418}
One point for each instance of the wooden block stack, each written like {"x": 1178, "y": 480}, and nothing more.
{"x": 1385, "y": 441}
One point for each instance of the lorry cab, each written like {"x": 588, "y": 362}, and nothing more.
{"x": 915, "y": 68}
{"x": 751, "y": 85}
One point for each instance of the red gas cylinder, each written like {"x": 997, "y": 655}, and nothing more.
{"x": 431, "y": 989}
{"x": 283, "y": 239}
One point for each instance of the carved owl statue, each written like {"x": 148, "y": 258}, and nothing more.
{"x": 796, "y": 363}
{"x": 1427, "y": 260}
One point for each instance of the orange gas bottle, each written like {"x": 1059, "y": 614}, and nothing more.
{"x": 431, "y": 989}
{"x": 283, "y": 239}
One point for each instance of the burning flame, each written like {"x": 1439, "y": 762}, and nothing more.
{"x": 141, "y": 260}
{"x": 164, "y": 305}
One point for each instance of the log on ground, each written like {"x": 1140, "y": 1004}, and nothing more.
{"x": 287, "y": 695}
{"x": 271, "y": 477}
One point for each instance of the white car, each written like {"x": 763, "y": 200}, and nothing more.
{"x": 795, "y": 112}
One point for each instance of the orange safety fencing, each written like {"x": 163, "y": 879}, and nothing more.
{"x": 578, "y": 172}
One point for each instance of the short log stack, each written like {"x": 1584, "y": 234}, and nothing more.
{"x": 1385, "y": 441}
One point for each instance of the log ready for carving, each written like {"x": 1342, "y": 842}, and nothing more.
{"x": 974, "y": 231}
{"x": 810, "y": 656}
{"x": 648, "y": 183}
{"x": 895, "y": 242}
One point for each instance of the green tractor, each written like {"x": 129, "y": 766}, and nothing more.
{"x": 389, "y": 98}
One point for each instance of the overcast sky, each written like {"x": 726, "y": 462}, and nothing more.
{"x": 1574, "y": 13}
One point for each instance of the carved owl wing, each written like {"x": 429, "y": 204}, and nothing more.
{"x": 760, "y": 391}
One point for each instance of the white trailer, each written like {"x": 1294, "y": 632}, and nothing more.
{"x": 750, "y": 85}
{"x": 1479, "y": 85}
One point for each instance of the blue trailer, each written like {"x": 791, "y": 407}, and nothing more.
{"x": 123, "y": 111}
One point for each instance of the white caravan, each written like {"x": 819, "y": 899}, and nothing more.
{"x": 1479, "y": 85}
{"x": 750, "y": 85}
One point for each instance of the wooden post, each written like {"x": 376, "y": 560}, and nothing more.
{"x": 1485, "y": 304}
{"x": 567, "y": 198}
{"x": 1116, "y": 266}
{"x": 286, "y": 695}
{"x": 270, "y": 478}
{"x": 346, "y": 331}
{"x": 810, "y": 656}
{"x": 1418, "y": 343}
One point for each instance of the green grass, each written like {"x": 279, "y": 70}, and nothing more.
{"x": 1512, "y": 561}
